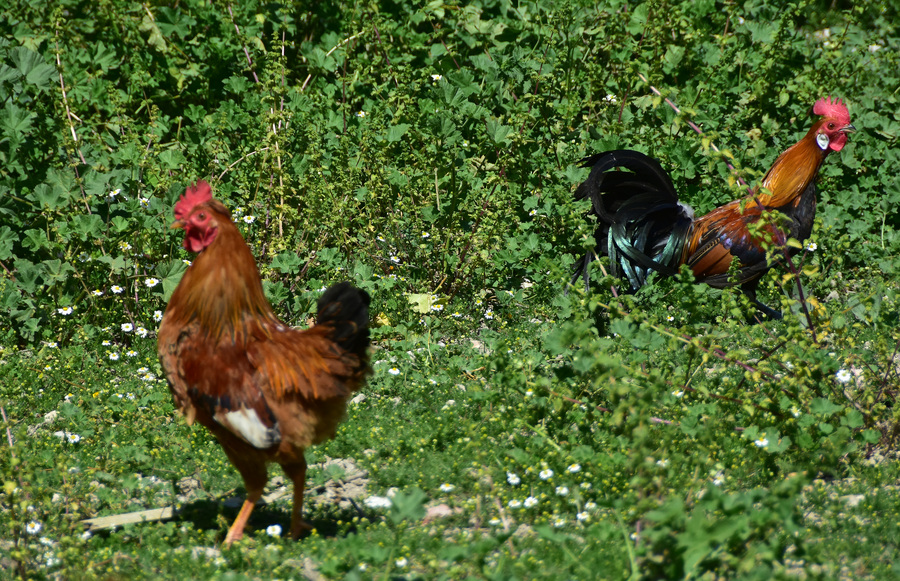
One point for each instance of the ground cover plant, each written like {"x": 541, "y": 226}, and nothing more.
{"x": 428, "y": 153}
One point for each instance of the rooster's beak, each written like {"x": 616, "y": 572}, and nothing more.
{"x": 848, "y": 129}
{"x": 176, "y": 224}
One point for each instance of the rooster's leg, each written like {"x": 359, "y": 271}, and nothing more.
{"x": 237, "y": 528}
{"x": 749, "y": 289}
{"x": 297, "y": 473}
{"x": 255, "y": 475}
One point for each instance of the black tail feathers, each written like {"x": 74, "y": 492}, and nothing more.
{"x": 346, "y": 308}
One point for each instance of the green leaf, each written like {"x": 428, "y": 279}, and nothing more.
{"x": 287, "y": 263}
{"x": 396, "y": 132}
{"x": 32, "y": 66}
{"x": 498, "y": 132}
{"x": 408, "y": 506}
{"x": 170, "y": 273}
{"x": 823, "y": 407}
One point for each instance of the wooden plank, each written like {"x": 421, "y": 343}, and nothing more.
{"x": 157, "y": 514}
{"x": 115, "y": 520}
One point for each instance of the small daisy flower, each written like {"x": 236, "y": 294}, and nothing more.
{"x": 590, "y": 505}
{"x": 514, "y": 503}
{"x": 33, "y": 527}
{"x": 249, "y": 219}
{"x": 114, "y": 356}
{"x": 583, "y": 516}
{"x": 394, "y": 371}
{"x": 426, "y": 235}
{"x": 456, "y": 315}
{"x": 529, "y": 393}
{"x": 562, "y": 490}
{"x": 811, "y": 247}
{"x": 843, "y": 376}
{"x": 65, "y": 311}
{"x": 127, "y": 327}
{"x": 610, "y": 98}
{"x": 546, "y": 474}
{"x": 157, "y": 316}
{"x": 116, "y": 289}
{"x": 489, "y": 314}
{"x": 186, "y": 261}
{"x": 678, "y": 393}
{"x": 495, "y": 522}
{"x": 124, "y": 245}
{"x": 574, "y": 468}
{"x": 142, "y": 370}
{"x": 719, "y": 478}
{"x": 532, "y": 213}
{"x": 86, "y": 535}
{"x": 131, "y": 353}
{"x": 513, "y": 478}
{"x": 761, "y": 442}
{"x": 446, "y": 487}
{"x": 141, "y": 332}
{"x": 437, "y": 307}
{"x": 437, "y": 78}
{"x": 559, "y": 523}
{"x": 97, "y": 293}
{"x": 530, "y": 501}
{"x": 670, "y": 318}
{"x": 873, "y": 48}
{"x": 105, "y": 343}
{"x": 361, "y": 114}
{"x": 114, "y": 193}
{"x": 151, "y": 282}
{"x": 395, "y": 259}
{"x": 585, "y": 485}
{"x": 378, "y": 502}
{"x": 401, "y": 562}
{"x": 432, "y": 381}
{"x": 144, "y": 202}
{"x": 273, "y": 530}
{"x": 52, "y": 344}
{"x": 73, "y": 438}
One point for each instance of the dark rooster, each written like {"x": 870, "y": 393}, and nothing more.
{"x": 264, "y": 390}
{"x": 644, "y": 228}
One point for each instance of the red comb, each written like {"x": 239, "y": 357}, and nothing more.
{"x": 832, "y": 108}
{"x": 193, "y": 195}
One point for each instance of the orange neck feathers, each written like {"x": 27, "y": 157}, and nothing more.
{"x": 793, "y": 171}
{"x": 222, "y": 289}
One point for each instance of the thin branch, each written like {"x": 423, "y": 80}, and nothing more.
{"x": 9, "y": 437}
{"x": 244, "y": 45}
{"x": 69, "y": 117}
{"x": 239, "y": 160}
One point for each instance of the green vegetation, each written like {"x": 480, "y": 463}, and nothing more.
{"x": 428, "y": 152}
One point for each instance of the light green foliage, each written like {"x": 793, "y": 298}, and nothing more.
{"x": 427, "y": 152}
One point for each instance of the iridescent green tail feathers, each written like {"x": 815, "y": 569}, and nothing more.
{"x": 641, "y": 225}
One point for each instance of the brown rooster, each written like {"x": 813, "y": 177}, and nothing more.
{"x": 264, "y": 390}
{"x": 644, "y": 228}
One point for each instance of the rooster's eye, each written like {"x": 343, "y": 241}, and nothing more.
{"x": 202, "y": 215}
{"x": 831, "y": 125}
